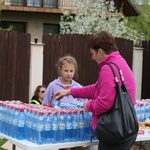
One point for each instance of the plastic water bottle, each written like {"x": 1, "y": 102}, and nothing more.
{"x": 9, "y": 121}
{"x": 6, "y": 119}
{"x": 34, "y": 116}
{"x": 20, "y": 124}
{"x": 40, "y": 128}
{"x": 68, "y": 121}
{"x": 56, "y": 103}
{"x": 15, "y": 121}
{"x": 1, "y": 115}
{"x": 74, "y": 125}
{"x": 32, "y": 134}
{"x": 25, "y": 126}
{"x": 80, "y": 125}
{"x": 87, "y": 125}
{"x": 138, "y": 111}
{"x": 90, "y": 125}
{"x": 61, "y": 127}
{"x": 12, "y": 111}
{"x": 4, "y": 116}
{"x": 147, "y": 110}
{"x": 142, "y": 107}
{"x": 47, "y": 132}
{"x": 54, "y": 131}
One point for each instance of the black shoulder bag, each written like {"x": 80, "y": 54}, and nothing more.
{"x": 120, "y": 123}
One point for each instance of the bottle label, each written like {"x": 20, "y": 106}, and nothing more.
{"x": 81, "y": 125}
{"x": 47, "y": 127}
{"x": 34, "y": 125}
{"x": 74, "y": 125}
{"x": 61, "y": 126}
{"x": 11, "y": 121}
{"x": 0, "y": 116}
{"x": 21, "y": 123}
{"x": 86, "y": 124}
{"x": 68, "y": 125}
{"x": 14, "y": 122}
{"x": 54, "y": 127}
{"x": 3, "y": 118}
{"x": 29, "y": 124}
{"x": 40, "y": 127}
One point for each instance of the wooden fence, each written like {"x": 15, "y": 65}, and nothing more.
{"x": 14, "y": 65}
{"x": 76, "y": 45}
{"x": 15, "y": 61}
{"x": 146, "y": 70}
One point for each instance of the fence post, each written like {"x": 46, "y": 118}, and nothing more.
{"x": 36, "y": 67}
{"x": 137, "y": 69}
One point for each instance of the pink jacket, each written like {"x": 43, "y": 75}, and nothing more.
{"x": 103, "y": 91}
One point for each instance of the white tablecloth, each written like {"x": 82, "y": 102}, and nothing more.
{"x": 27, "y": 145}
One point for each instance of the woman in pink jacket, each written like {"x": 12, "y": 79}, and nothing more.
{"x": 102, "y": 94}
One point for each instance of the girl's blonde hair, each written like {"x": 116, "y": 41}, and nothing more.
{"x": 69, "y": 59}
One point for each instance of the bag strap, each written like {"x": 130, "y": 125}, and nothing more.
{"x": 123, "y": 84}
{"x": 114, "y": 73}
{"x": 120, "y": 71}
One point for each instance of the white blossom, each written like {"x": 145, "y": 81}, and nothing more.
{"x": 94, "y": 15}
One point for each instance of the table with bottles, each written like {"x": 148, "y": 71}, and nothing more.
{"x": 40, "y": 127}
{"x": 43, "y": 127}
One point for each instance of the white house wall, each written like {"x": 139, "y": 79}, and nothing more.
{"x": 34, "y": 21}
{"x": 137, "y": 69}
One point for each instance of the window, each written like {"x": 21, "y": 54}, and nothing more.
{"x": 17, "y": 26}
{"x": 51, "y": 29}
{"x": 35, "y": 3}
{"x": 17, "y": 2}
{"x": 50, "y": 3}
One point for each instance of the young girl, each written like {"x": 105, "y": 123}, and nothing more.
{"x": 38, "y": 95}
{"x": 67, "y": 70}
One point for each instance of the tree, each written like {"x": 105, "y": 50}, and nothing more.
{"x": 11, "y": 27}
{"x": 141, "y": 23}
{"x": 97, "y": 15}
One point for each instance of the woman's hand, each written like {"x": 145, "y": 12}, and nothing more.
{"x": 61, "y": 93}
{"x": 85, "y": 103}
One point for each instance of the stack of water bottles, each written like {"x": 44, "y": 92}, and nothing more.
{"x": 142, "y": 108}
{"x": 44, "y": 124}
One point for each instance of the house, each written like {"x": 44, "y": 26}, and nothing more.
{"x": 39, "y": 17}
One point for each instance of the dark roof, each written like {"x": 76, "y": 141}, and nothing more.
{"x": 128, "y": 8}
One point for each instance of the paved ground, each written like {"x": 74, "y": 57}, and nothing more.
{"x": 145, "y": 146}
{"x": 8, "y": 146}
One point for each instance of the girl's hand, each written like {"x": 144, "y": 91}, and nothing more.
{"x": 61, "y": 93}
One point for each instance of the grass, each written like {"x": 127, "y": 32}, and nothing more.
{"x": 2, "y": 141}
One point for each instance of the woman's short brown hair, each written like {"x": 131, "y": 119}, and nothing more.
{"x": 104, "y": 40}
